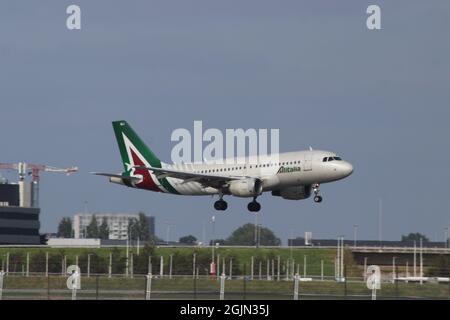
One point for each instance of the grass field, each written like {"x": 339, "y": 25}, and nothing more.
{"x": 54, "y": 287}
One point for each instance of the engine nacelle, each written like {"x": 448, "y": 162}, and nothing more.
{"x": 250, "y": 187}
{"x": 293, "y": 193}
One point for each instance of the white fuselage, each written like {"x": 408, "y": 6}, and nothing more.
{"x": 284, "y": 170}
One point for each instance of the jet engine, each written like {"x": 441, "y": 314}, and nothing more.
{"x": 250, "y": 187}
{"x": 293, "y": 193}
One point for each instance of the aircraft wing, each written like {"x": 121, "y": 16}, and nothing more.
{"x": 205, "y": 179}
{"x": 111, "y": 175}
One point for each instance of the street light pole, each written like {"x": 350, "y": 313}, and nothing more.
{"x": 213, "y": 221}
{"x": 167, "y": 233}
{"x": 355, "y": 231}
{"x": 446, "y": 236}
{"x": 256, "y": 229}
{"x": 259, "y": 235}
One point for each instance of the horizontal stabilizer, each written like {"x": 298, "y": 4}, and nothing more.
{"x": 111, "y": 175}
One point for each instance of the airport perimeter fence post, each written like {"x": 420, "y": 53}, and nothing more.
{"x": 273, "y": 269}
{"x": 170, "y": 266}
{"x": 345, "y": 281}
{"x": 7, "y": 263}
{"x": 193, "y": 265}
{"x": 218, "y": 267}
{"x": 304, "y": 266}
{"x": 96, "y": 286}
{"x": 251, "y": 268}
{"x": 287, "y": 269}
{"x": 28, "y": 264}
{"x": 396, "y": 283}
{"x": 148, "y": 287}
{"x": 296, "y": 280}
{"x": 2, "y": 276}
{"x": 110, "y": 265}
{"x": 222, "y": 286}
{"x": 88, "y": 265}
{"x": 195, "y": 288}
{"x": 278, "y": 268}
{"x": 48, "y": 287}
{"x": 131, "y": 265}
{"x": 321, "y": 270}
{"x": 46, "y": 264}
{"x": 244, "y": 277}
{"x": 231, "y": 268}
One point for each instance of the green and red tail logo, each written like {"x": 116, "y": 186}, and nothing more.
{"x": 134, "y": 152}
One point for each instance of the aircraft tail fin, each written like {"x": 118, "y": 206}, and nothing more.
{"x": 133, "y": 150}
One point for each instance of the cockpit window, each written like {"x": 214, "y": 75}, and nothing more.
{"x": 338, "y": 158}
{"x": 324, "y": 159}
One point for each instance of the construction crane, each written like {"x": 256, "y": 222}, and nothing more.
{"x": 34, "y": 170}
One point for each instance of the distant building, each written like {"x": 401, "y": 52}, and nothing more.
{"x": 363, "y": 243}
{"x": 117, "y": 224}
{"x": 19, "y": 221}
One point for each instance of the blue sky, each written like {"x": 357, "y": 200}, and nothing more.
{"x": 310, "y": 68}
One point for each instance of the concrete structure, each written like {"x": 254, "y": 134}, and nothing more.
{"x": 70, "y": 242}
{"x": 117, "y": 224}
{"x": 19, "y": 225}
{"x": 364, "y": 243}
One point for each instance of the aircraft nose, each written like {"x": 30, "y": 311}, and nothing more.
{"x": 347, "y": 168}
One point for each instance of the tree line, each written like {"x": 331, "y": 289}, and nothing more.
{"x": 138, "y": 228}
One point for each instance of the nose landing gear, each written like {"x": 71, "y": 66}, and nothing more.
{"x": 317, "y": 197}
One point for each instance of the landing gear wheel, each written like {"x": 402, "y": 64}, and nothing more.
{"x": 254, "y": 206}
{"x": 316, "y": 190}
{"x": 220, "y": 205}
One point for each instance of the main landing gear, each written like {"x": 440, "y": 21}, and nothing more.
{"x": 317, "y": 197}
{"x": 220, "y": 205}
{"x": 254, "y": 206}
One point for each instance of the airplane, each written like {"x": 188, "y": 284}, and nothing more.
{"x": 293, "y": 176}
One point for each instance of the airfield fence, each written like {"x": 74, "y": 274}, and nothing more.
{"x": 43, "y": 275}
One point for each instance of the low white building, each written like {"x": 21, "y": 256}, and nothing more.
{"x": 117, "y": 224}
{"x": 69, "y": 242}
